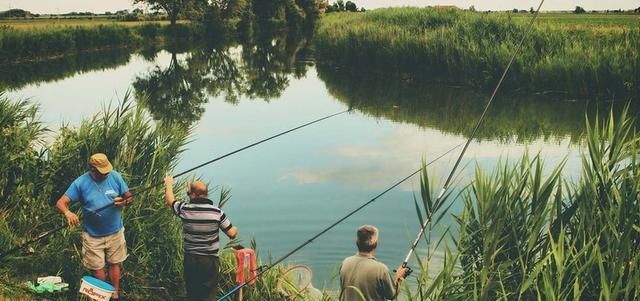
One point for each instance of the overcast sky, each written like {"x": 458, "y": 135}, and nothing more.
{"x": 99, "y": 6}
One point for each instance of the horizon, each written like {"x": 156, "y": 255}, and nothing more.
{"x": 100, "y": 7}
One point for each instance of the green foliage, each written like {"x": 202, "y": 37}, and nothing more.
{"x": 14, "y": 13}
{"x": 473, "y": 49}
{"x": 341, "y": 6}
{"x": 524, "y": 234}
{"x": 579, "y": 10}
{"x": 20, "y": 132}
{"x": 172, "y": 7}
{"x": 42, "y": 44}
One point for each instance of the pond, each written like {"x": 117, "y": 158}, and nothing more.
{"x": 287, "y": 190}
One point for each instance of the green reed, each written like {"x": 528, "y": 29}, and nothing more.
{"x": 527, "y": 234}
{"x": 474, "y": 48}
{"x": 50, "y": 42}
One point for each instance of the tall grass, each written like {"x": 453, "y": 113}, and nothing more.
{"x": 473, "y": 48}
{"x": 44, "y": 43}
{"x": 526, "y": 234}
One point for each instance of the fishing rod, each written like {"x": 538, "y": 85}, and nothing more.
{"x": 473, "y": 133}
{"x": 265, "y": 269}
{"x": 50, "y": 232}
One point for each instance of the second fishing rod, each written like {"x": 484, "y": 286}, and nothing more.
{"x": 439, "y": 200}
{"x": 153, "y": 185}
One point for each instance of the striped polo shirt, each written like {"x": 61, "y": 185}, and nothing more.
{"x": 201, "y": 222}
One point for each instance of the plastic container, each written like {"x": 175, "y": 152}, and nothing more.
{"x": 95, "y": 289}
{"x": 52, "y": 279}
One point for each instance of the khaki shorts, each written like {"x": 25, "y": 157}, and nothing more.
{"x": 98, "y": 250}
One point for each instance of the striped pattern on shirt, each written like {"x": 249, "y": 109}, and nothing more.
{"x": 201, "y": 224}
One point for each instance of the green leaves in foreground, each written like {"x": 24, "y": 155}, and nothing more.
{"x": 527, "y": 235}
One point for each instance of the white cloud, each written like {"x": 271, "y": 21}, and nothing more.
{"x": 396, "y": 153}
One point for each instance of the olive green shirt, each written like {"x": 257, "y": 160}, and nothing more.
{"x": 369, "y": 276}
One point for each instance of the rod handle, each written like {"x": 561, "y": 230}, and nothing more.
{"x": 407, "y": 272}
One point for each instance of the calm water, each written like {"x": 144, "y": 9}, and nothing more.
{"x": 287, "y": 190}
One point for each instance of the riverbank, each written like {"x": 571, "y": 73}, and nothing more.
{"x": 44, "y": 43}
{"x": 600, "y": 59}
{"x": 31, "y": 24}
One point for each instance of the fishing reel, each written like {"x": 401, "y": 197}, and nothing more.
{"x": 407, "y": 272}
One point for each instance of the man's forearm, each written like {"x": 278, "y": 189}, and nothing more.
{"x": 168, "y": 196}
{"x": 62, "y": 206}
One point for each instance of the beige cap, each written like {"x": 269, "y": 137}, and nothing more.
{"x": 101, "y": 163}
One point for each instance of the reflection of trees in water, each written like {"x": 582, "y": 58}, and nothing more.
{"x": 257, "y": 70}
{"x": 174, "y": 94}
{"x": 456, "y": 110}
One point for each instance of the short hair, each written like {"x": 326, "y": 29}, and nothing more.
{"x": 367, "y": 239}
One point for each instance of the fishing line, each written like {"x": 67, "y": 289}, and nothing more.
{"x": 473, "y": 133}
{"x": 97, "y": 211}
{"x": 262, "y": 271}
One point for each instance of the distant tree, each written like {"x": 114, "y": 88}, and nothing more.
{"x": 637, "y": 10}
{"x": 531, "y": 10}
{"x": 107, "y": 13}
{"x": 13, "y": 13}
{"x": 579, "y": 10}
{"x": 472, "y": 8}
{"x": 173, "y": 8}
{"x": 350, "y": 6}
{"x": 515, "y": 10}
{"x": 340, "y": 6}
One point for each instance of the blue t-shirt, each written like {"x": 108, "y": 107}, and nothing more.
{"x": 93, "y": 195}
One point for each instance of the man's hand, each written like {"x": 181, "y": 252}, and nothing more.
{"x": 72, "y": 218}
{"x": 401, "y": 273}
{"x": 168, "y": 181}
{"x": 120, "y": 202}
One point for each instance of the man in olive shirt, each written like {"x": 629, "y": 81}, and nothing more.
{"x": 362, "y": 275}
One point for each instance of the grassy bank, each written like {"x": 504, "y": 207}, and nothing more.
{"x": 51, "y": 42}
{"x": 473, "y": 48}
{"x": 31, "y": 24}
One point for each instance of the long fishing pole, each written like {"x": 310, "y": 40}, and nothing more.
{"x": 473, "y": 133}
{"x": 50, "y": 232}
{"x": 262, "y": 271}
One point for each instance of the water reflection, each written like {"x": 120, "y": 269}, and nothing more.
{"x": 174, "y": 94}
{"x": 255, "y": 69}
{"x": 455, "y": 110}
{"x": 261, "y": 67}
{"x": 16, "y": 76}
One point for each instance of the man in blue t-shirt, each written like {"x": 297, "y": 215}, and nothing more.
{"x": 103, "y": 233}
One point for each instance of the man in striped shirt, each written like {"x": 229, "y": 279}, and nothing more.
{"x": 201, "y": 223}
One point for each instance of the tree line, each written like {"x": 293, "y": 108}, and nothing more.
{"x": 229, "y": 10}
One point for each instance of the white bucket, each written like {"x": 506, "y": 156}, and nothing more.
{"x": 95, "y": 289}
